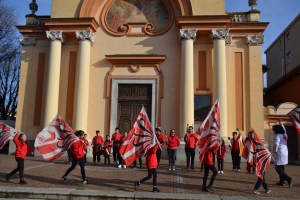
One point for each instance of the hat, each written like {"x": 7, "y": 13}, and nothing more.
{"x": 158, "y": 129}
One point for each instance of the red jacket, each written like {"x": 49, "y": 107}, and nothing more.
{"x": 190, "y": 140}
{"x": 108, "y": 145}
{"x": 208, "y": 155}
{"x": 97, "y": 140}
{"x": 77, "y": 149}
{"x": 21, "y": 149}
{"x": 86, "y": 142}
{"x": 116, "y": 138}
{"x": 221, "y": 151}
{"x": 151, "y": 160}
{"x": 161, "y": 139}
{"x": 173, "y": 142}
{"x": 123, "y": 139}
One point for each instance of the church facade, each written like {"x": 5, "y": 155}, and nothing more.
{"x": 97, "y": 62}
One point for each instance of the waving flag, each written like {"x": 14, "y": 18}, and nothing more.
{"x": 55, "y": 139}
{"x": 210, "y": 128}
{"x": 261, "y": 156}
{"x": 295, "y": 117}
{"x": 248, "y": 151}
{"x": 6, "y": 134}
{"x": 139, "y": 140}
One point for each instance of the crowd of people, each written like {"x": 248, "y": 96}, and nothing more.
{"x": 77, "y": 154}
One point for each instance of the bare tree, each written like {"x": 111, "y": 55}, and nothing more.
{"x": 10, "y": 59}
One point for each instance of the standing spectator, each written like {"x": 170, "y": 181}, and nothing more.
{"x": 97, "y": 143}
{"x": 220, "y": 156}
{"x": 116, "y": 139}
{"x": 121, "y": 161}
{"x": 85, "y": 148}
{"x": 281, "y": 153}
{"x": 21, "y": 150}
{"x": 236, "y": 147}
{"x": 161, "y": 140}
{"x": 190, "y": 139}
{"x": 173, "y": 143}
{"x": 107, "y": 146}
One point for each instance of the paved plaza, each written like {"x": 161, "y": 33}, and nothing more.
{"x": 42, "y": 174}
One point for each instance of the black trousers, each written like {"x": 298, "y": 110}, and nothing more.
{"x": 107, "y": 158}
{"x": 140, "y": 162}
{"x": 151, "y": 172}
{"x": 74, "y": 163}
{"x": 116, "y": 153}
{"x": 220, "y": 164}
{"x": 213, "y": 176}
{"x": 190, "y": 155}
{"x": 120, "y": 160}
{"x": 236, "y": 160}
{"x": 20, "y": 168}
{"x": 281, "y": 172}
{"x": 158, "y": 154}
{"x": 84, "y": 158}
{"x": 172, "y": 156}
{"x": 260, "y": 182}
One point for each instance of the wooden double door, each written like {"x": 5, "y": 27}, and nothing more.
{"x": 131, "y": 98}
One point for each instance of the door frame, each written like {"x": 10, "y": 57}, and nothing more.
{"x": 114, "y": 99}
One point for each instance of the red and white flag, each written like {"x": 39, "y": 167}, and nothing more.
{"x": 248, "y": 151}
{"x": 139, "y": 140}
{"x": 6, "y": 133}
{"x": 210, "y": 128}
{"x": 55, "y": 139}
{"x": 295, "y": 117}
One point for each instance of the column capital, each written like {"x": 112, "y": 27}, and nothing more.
{"x": 56, "y": 35}
{"x": 186, "y": 34}
{"x": 27, "y": 41}
{"x": 219, "y": 34}
{"x": 255, "y": 40}
{"x": 85, "y": 35}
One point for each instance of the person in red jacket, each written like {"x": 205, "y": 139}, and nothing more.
{"x": 220, "y": 156}
{"x": 121, "y": 161}
{"x": 116, "y": 139}
{"x": 173, "y": 143}
{"x": 107, "y": 146}
{"x": 21, "y": 150}
{"x": 161, "y": 140}
{"x": 85, "y": 148}
{"x": 151, "y": 163}
{"x": 209, "y": 165}
{"x": 190, "y": 139}
{"x": 96, "y": 144}
{"x": 77, "y": 153}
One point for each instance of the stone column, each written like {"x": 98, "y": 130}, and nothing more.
{"x": 255, "y": 85}
{"x": 53, "y": 75}
{"x": 83, "y": 77}
{"x": 187, "y": 80}
{"x": 219, "y": 38}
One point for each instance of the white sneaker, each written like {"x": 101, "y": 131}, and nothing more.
{"x": 219, "y": 172}
{"x": 170, "y": 168}
{"x": 124, "y": 166}
{"x": 238, "y": 170}
{"x": 222, "y": 172}
{"x": 120, "y": 166}
{"x": 173, "y": 168}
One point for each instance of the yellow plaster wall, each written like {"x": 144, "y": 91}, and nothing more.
{"x": 208, "y": 7}
{"x": 65, "y": 8}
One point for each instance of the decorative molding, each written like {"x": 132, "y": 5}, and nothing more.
{"x": 228, "y": 39}
{"x": 85, "y": 35}
{"x": 239, "y": 18}
{"x": 56, "y": 35}
{"x": 185, "y": 34}
{"x": 256, "y": 40}
{"x": 126, "y": 29}
{"x": 27, "y": 41}
{"x": 219, "y": 34}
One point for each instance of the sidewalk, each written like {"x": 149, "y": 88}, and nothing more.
{"x": 112, "y": 183}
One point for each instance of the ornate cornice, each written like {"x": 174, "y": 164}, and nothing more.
{"x": 185, "y": 34}
{"x": 256, "y": 40}
{"x": 85, "y": 35}
{"x": 27, "y": 41}
{"x": 56, "y": 35}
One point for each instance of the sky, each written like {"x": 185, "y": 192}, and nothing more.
{"x": 280, "y": 13}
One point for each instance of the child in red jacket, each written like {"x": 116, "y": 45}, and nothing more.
{"x": 21, "y": 150}
{"x": 220, "y": 156}
{"x": 107, "y": 146}
{"x": 209, "y": 165}
{"x": 77, "y": 154}
{"x": 151, "y": 162}
{"x": 85, "y": 147}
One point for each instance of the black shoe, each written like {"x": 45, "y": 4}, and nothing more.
{"x": 280, "y": 184}
{"x": 210, "y": 188}
{"x": 290, "y": 182}
{"x": 204, "y": 189}
{"x": 155, "y": 189}
{"x": 136, "y": 185}
{"x": 7, "y": 178}
{"x": 86, "y": 181}
{"x": 22, "y": 181}
{"x": 192, "y": 168}
{"x": 64, "y": 179}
